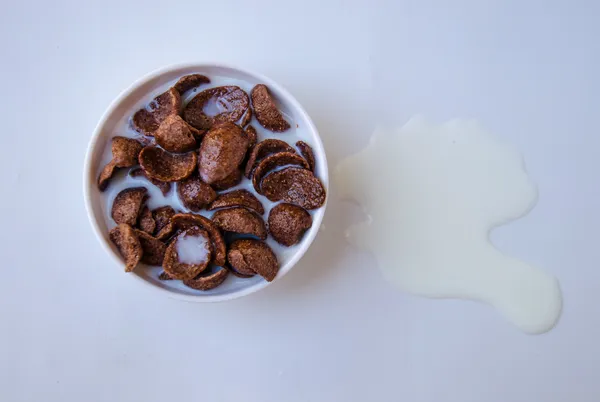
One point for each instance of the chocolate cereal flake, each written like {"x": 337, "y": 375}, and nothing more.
{"x": 274, "y": 161}
{"x": 194, "y": 193}
{"x": 124, "y": 237}
{"x": 190, "y": 81}
{"x": 240, "y": 220}
{"x": 231, "y": 101}
{"x": 263, "y": 149}
{"x": 146, "y": 221}
{"x": 154, "y": 249}
{"x": 288, "y": 222}
{"x": 147, "y": 120}
{"x": 266, "y": 111}
{"x": 232, "y": 180}
{"x": 164, "y": 166}
{"x": 308, "y": 154}
{"x": 249, "y": 255}
{"x": 184, "y": 221}
{"x": 127, "y": 205}
{"x": 207, "y": 279}
{"x": 221, "y": 152}
{"x": 177, "y": 269}
{"x": 237, "y": 198}
{"x": 175, "y": 135}
{"x": 296, "y": 186}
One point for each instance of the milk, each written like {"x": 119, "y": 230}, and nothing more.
{"x": 431, "y": 195}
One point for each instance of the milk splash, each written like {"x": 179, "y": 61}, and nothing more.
{"x": 432, "y": 194}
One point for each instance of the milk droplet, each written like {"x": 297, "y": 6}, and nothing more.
{"x": 432, "y": 194}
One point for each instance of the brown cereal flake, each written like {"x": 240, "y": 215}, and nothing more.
{"x": 124, "y": 237}
{"x": 237, "y": 273}
{"x": 207, "y": 279}
{"x": 154, "y": 249}
{"x": 237, "y": 198}
{"x": 127, "y": 205}
{"x": 266, "y": 111}
{"x": 263, "y": 149}
{"x": 190, "y": 81}
{"x": 163, "y": 276}
{"x": 308, "y": 154}
{"x": 164, "y": 186}
{"x": 146, "y": 221}
{"x": 162, "y": 216}
{"x": 288, "y": 222}
{"x": 274, "y": 161}
{"x": 180, "y": 270}
{"x": 240, "y": 220}
{"x": 184, "y": 221}
{"x": 232, "y": 180}
{"x": 194, "y": 193}
{"x": 125, "y": 153}
{"x": 164, "y": 166}
{"x": 249, "y": 255}
{"x": 247, "y": 117}
{"x": 221, "y": 152}
{"x": 105, "y": 175}
{"x": 252, "y": 136}
{"x": 147, "y": 120}
{"x": 295, "y": 186}
{"x": 232, "y": 101}
{"x": 175, "y": 135}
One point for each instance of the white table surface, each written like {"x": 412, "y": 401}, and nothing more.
{"x": 76, "y": 328}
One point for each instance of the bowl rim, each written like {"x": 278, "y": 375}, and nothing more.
{"x": 89, "y": 183}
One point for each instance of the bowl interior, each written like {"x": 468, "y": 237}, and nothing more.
{"x": 116, "y": 122}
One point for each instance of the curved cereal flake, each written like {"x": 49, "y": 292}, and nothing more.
{"x": 249, "y": 255}
{"x": 194, "y": 193}
{"x": 163, "y": 276}
{"x": 164, "y": 186}
{"x": 222, "y": 151}
{"x": 184, "y": 221}
{"x": 207, "y": 280}
{"x": 263, "y": 149}
{"x": 308, "y": 154}
{"x": 232, "y": 180}
{"x": 175, "y": 135}
{"x": 240, "y": 220}
{"x": 287, "y": 223}
{"x": 125, "y": 153}
{"x": 105, "y": 175}
{"x": 190, "y": 81}
{"x": 237, "y": 273}
{"x": 164, "y": 166}
{"x": 124, "y": 237}
{"x": 231, "y": 101}
{"x": 177, "y": 269}
{"x": 146, "y": 221}
{"x": 247, "y": 117}
{"x": 274, "y": 161}
{"x": 154, "y": 249}
{"x": 252, "y": 136}
{"x": 147, "y": 121}
{"x": 237, "y": 198}
{"x": 162, "y": 216}
{"x": 295, "y": 186}
{"x": 266, "y": 111}
{"x": 127, "y": 205}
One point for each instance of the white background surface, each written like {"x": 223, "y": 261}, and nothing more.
{"x": 75, "y": 328}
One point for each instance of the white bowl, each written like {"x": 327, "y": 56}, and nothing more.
{"x": 113, "y": 122}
